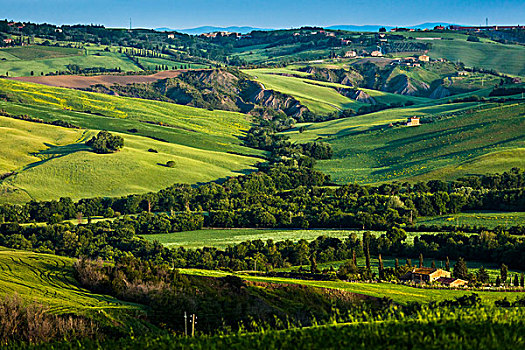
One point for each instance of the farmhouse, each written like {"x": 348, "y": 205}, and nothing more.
{"x": 425, "y": 274}
{"x": 424, "y": 58}
{"x": 8, "y": 41}
{"x": 350, "y": 54}
{"x": 413, "y": 121}
{"x": 171, "y": 36}
{"x": 452, "y": 282}
{"x": 376, "y": 54}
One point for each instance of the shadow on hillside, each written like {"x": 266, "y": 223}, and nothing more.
{"x": 54, "y": 152}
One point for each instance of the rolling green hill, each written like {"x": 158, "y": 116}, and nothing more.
{"x": 48, "y": 279}
{"x": 21, "y": 61}
{"x": 487, "y": 54}
{"x": 465, "y": 142}
{"x": 52, "y": 162}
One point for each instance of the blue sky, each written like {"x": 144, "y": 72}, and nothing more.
{"x": 263, "y": 14}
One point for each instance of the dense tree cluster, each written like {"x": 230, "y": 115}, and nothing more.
{"x": 105, "y": 142}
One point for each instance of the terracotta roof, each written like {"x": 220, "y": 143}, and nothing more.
{"x": 424, "y": 270}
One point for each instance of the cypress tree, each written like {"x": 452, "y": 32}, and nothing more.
{"x": 420, "y": 260}
{"x": 460, "y": 269}
{"x": 447, "y": 264}
{"x": 354, "y": 258}
{"x": 522, "y": 280}
{"x": 381, "y": 268}
{"x": 433, "y": 264}
{"x": 504, "y": 270}
{"x": 409, "y": 262}
{"x": 366, "y": 241}
{"x": 397, "y": 264}
{"x": 498, "y": 281}
{"x": 516, "y": 281}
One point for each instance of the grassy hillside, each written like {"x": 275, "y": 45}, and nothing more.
{"x": 53, "y": 162}
{"x": 490, "y": 55}
{"x": 319, "y": 99}
{"x": 221, "y": 238}
{"x": 399, "y": 293}
{"x": 48, "y": 279}
{"x": 485, "y": 219}
{"x": 43, "y": 61}
{"x": 466, "y": 143}
{"x": 194, "y": 127}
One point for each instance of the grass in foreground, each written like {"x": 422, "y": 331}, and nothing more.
{"x": 48, "y": 279}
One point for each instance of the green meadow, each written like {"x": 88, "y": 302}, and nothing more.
{"x": 367, "y": 150}
{"x": 53, "y": 162}
{"x": 399, "y": 293}
{"x": 48, "y": 59}
{"x": 222, "y": 238}
{"x": 485, "y": 219}
{"x": 48, "y": 279}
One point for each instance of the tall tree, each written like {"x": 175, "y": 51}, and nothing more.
{"x": 420, "y": 260}
{"x": 433, "y": 265}
{"x": 504, "y": 271}
{"x": 482, "y": 275}
{"x": 516, "y": 281}
{"x": 366, "y": 242}
{"x": 460, "y": 269}
{"x": 396, "y": 264}
{"x": 382, "y": 268}
{"x": 447, "y": 264}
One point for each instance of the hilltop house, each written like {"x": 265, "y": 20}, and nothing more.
{"x": 376, "y": 53}
{"x": 413, "y": 121}
{"x": 424, "y": 58}
{"x": 171, "y": 36}
{"x": 350, "y": 54}
{"x": 425, "y": 274}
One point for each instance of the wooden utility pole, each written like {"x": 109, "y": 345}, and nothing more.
{"x": 185, "y": 324}
{"x": 193, "y": 317}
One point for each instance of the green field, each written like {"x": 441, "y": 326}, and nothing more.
{"x": 53, "y": 162}
{"x": 484, "y": 141}
{"x": 48, "y": 280}
{"x": 399, "y": 293}
{"x": 221, "y": 238}
{"x": 44, "y": 61}
{"x": 319, "y": 99}
{"x": 485, "y": 219}
{"x": 502, "y": 58}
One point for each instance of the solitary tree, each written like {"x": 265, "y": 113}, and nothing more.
{"x": 396, "y": 264}
{"x": 354, "y": 258}
{"x": 420, "y": 260}
{"x": 460, "y": 269}
{"x": 447, "y": 264}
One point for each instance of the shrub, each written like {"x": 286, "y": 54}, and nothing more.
{"x": 171, "y": 164}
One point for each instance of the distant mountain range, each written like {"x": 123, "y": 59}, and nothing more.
{"x": 245, "y": 30}
{"x": 209, "y": 29}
